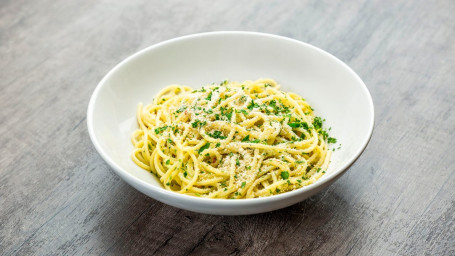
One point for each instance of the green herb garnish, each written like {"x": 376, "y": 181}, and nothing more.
{"x": 244, "y": 112}
{"x": 317, "y": 123}
{"x": 206, "y": 146}
{"x": 298, "y": 125}
{"x": 181, "y": 109}
{"x": 209, "y": 97}
{"x": 195, "y": 123}
{"x": 217, "y": 135}
{"x": 160, "y": 129}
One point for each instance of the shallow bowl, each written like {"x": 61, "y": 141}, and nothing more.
{"x": 333, "y": 89}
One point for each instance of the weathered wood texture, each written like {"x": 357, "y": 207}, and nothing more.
{"x": 58, "y": 197}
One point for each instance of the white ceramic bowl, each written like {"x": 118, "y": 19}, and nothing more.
{"x": 330, "y": 86}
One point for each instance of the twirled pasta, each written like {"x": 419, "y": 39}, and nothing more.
{"x": 231, "y": 140}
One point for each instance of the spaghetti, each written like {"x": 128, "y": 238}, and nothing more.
{"x": 231, "y": 140}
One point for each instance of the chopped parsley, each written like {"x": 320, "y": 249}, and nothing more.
{"x": 324, "y": 134}
{"x": 181, "y": 109}
{"x": 295, "y": 138}
{"x": 243, "y": 184}
{"x": 160, "y": 129}
{"x": 252, "y": 105}
{"x": 299, "y": 124}
{"x": 217, "y": 135}
{"x": 206, "y": 146}
{"x": 272, "y": 103}
{"x": 209, "y": 111}
{"x": 209, "y": 97}
{"x": 227, "y": 113}
{"x": 197, "y": 123}
{"x": 247, "y": 138}
{"x": 243, "y": 111}
{"x": 317, "y": 123}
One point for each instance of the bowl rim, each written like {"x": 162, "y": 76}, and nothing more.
{"x": 177, "y": 196}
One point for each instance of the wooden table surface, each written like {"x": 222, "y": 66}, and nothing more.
{"x": 58, "y": 197}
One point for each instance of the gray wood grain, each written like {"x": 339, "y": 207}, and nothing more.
{"x": 57, "y": 196}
